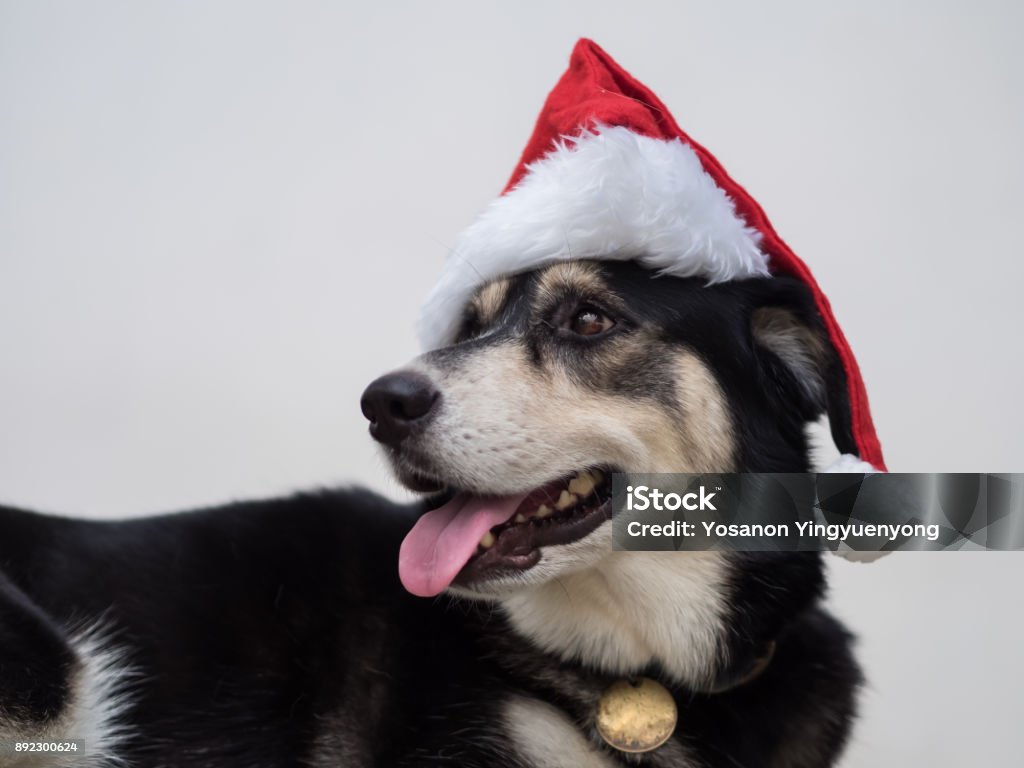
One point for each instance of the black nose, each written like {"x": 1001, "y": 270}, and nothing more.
{"x": 396, "y": 402}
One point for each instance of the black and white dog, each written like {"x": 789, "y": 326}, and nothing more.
{"x": 278, "y": 633}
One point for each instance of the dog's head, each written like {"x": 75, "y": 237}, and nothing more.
{"x": 560, "y": 377}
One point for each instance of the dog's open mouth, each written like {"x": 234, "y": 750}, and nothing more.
{"x": 476, "y": 537}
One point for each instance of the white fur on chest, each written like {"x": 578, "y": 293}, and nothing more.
{"x": 546, "y": 738}
{"x": 632, "y": 610}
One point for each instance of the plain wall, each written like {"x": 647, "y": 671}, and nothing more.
{"x": 217, "y": 221}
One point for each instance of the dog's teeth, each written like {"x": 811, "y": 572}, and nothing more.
{"x": 519, "y": 518}
{"x": 565, "y": 501}
{"x": 582, "y": 485}
{"x": 487, "y": 540}
{"x": 543, "y": 511}
{"x": 598, "y": 476}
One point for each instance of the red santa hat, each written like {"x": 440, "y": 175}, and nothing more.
{"x": 609, "y": 174}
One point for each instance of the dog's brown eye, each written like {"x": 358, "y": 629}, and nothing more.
{"x": 590, "y": 322}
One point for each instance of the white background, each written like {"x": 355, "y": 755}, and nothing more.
{"x": 217, "y": 221}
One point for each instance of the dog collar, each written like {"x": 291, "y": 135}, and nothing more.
{"x": 640, "y": 714}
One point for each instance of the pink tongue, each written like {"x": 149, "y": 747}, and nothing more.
{"x": 443, "y": 540}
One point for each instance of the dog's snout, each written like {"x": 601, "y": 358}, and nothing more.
{"x": 396, "y": 402}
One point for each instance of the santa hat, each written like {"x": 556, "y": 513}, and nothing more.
{"x": 609, "y": 174}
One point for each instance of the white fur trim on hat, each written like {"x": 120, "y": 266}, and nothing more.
{"x": 850, "y": 463}
{"x": 608, "y": 193}
{"x": 847, "y": 462}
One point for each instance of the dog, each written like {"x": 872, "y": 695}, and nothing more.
{"x": 481, "y": 625}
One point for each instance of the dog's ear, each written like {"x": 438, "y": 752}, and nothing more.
{"x": 791, "y": 345}
{"x": 800, "y": 369}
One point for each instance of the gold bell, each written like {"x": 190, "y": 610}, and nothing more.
{"x": 636, "y": 715}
